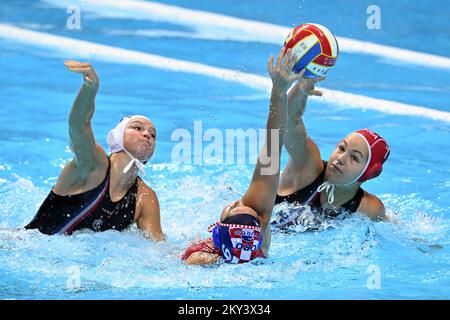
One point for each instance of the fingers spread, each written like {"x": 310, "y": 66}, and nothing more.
{"x": 299, "y": 76}
{"x": 82, "y": 70}
{"x": 312, "y": 92}
{"x": 281, "y": 55}
{"x": 319, "y": 79}
{"x": 302, "y": 73}
{"x": 76, "y": 63}
{"x": 317, "y": 93}
{"x": 292, "y": 61}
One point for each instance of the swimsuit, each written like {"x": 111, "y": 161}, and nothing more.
{"x": 92, "y": 209}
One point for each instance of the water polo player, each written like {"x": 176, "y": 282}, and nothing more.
{"x": 329, "y": 187}
{"x": 97, "y": 191}
{"x": 242, "y": 233}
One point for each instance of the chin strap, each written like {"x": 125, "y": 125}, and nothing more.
{"x": 329, "y": 188}
{"x": 138, "y": 163}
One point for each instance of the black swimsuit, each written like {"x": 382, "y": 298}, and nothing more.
{"x": 308, "y": 195}
{"x": 92, "y": 209}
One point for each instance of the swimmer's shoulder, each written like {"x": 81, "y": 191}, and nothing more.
{"x": 99, "y": 164}
{"x": 372, "y": 207}
{"x": 77, "y": 177}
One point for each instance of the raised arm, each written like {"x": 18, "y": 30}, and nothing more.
{"x": 296, "y": 140}
{"x": 261, "y": 193}
{"x": 82, "y": 141}
{"x": 304, "y": 157}
{"x": 262, "y": 190}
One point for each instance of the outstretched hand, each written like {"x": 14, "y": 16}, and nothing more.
{"x": 306, "y": 85}
{"x": 281, "y": 74}
{"x": 85, "y": 68}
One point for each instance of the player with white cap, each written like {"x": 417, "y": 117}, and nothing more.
{"x": 97, "y": 191}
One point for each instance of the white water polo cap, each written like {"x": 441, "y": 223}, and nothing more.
{"x": 114, "y": 139}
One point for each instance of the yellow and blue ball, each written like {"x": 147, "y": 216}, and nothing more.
{"x": 315, "y": 47}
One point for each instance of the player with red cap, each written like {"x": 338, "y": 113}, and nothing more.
{"x": 330, "y": 187}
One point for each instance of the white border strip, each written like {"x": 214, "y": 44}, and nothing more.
{"x": 68, "y": 47}
{"x": 230, "y": 28}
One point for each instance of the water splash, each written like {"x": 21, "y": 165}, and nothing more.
{"x": 328, "y": 263}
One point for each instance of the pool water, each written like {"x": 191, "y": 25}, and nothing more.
{"x": 352, "y": 258}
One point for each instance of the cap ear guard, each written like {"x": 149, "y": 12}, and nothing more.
{"x": 378, "y": 154}
{"x": 372, "y": 172}
{"x": 115, "y": 136}
{"x": 113, "y": 140}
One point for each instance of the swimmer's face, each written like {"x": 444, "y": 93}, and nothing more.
{"x": 139, "y": 138}
{"x": 347, "y": 160}
{"x": 235, "y": 208}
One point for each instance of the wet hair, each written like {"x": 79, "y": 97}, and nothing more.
{"x": 243, "y": 219}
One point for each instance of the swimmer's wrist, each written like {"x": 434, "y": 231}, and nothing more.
{"x": 90, "y": 92}
{"x": 277, "y": 91}
{"x": 91, "y": 86}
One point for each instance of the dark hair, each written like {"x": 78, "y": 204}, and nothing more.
{"x": 243, "y": 218}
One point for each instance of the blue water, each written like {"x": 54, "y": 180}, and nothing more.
{"x": 412, "y": 255}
